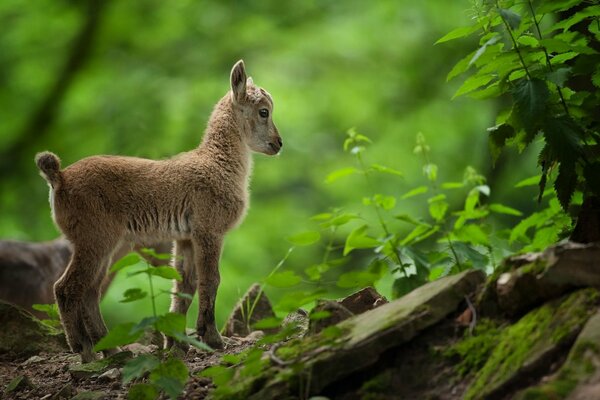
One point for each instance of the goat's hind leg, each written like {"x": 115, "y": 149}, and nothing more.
{"x": 207, "y": 251}
{"x": 70, "y": 292}
{"x": 184, "y": 263}
{"x": 92, "y": 317}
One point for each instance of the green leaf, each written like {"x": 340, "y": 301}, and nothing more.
{"x": 467, "y": 252}
{"x": 358, "y": 239}
{"x": 438, "y": 207}
{"x": 385, "y": 202}
{"x": 512, "y": 18}
{"x": 283, "y": 279}
{"x": 304, "y": 238}
{"x": 142, "y": 391}
{"x": 170, "y": 376}
{"x": 596, "y": 78}
{"x": 460, "y": 67}
{"x": 268, "y": 323}
{"x": 563, "y": 138}
{"x": 119, "y": 335}
{"x": 138, "y": 366}
{"x": 404, "y": 285}
{"x": 340, "y": 220}
{"x": 530, "y": 97}
{"x": 321, "y": 217}
{"x": 164, "y": 272}
{"x": 453, "y": 185}
{"x": 143, "y": 325}
{"x": 529, "y": 41}
{"x": 497, "y": 139}
{"x": 129, "y": 259}
{"x": 51, "y": 310}
{"x": 531, "y": 181}
{"x": 483, "y": 49}
{"x": 418, "y": 231}
{"x": 318, "y": 315}
{"x": 473, "y": 234}
{"x": 386, "y": 170}
{"x": 183, "y": 338}
{"x": 133, "y": 295}
{"x": 159, "y": 256}
{"x": 219, "y": 374}
{"x": 414, "y": 192}
{"x": 457, "y": 33}
{"x": 357, "y": 279}
{"x": 340, "y": 173}
{"x": 565, "y": 183}
{"x": 559, "y": 76}
{"x": 430, "y": 171}
{"x": 587, "y": 12}
{"x": 407, "y": 218}
{"x": 547, "y": 7}
{"x": 502, "y": 209}
{"x": 472, "y": 83}
{"x": 564, "y": 57}
{"x": 170, "y": 323}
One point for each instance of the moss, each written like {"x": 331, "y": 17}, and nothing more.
{"x": 535, "y": 268}
{"x": 531, "y": 335}
{"x": 578, "y": 367}
{"x": 475, "y": 348}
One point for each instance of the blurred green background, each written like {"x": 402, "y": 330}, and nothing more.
{"x": 140, "y": 78}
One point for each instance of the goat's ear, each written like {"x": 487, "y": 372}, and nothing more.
{"x": 238, "y": 81}
{"x": 249, "y": 81}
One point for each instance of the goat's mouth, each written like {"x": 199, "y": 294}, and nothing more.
{"x": 275, "y": 147}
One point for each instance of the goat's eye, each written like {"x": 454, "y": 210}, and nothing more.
{"x": 263, "y": 112}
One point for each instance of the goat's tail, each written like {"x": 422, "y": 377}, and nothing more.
{"x": 49, "y": 165}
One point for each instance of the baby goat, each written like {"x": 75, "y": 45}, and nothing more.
{"x": 193, "y": 198}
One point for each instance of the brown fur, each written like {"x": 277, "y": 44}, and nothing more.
{"x": 28, "y": 270}
{"x": 193, "y": 198}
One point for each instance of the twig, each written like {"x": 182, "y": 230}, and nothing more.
{"x": 473, "y": 313}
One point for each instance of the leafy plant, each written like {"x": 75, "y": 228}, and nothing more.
{"x": 543, "y": 56}
{"x": 166, "y": 372}
{"x": 51, "y": 311}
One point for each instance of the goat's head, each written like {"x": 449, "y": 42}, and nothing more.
{"x": 253, "y": 108}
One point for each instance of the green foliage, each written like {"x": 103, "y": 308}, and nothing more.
{"x": 541, "y": 67}
{"x": 170, "y": 374}
{"x": 51, "y": 310}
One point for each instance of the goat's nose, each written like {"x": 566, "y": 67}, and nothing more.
{"x": 279, "y": 142}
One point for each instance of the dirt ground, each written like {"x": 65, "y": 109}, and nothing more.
{"x": 50, "y": 378}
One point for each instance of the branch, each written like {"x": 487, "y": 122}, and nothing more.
{"x": 45, "y": 113}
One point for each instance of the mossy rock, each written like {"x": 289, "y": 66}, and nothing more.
{"x": 572, "y": 377}
{"x": 22, "y": 335}
{"x": 529, "y": 345}
{"x": 355, "y": 343}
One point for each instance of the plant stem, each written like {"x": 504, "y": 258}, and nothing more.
{"x": 151, "y": 290}
{"x": 539, "y": 32}
{"x": 516, "y": 46}
{"x": 378, "y": 212}
{"x": 455, "y": 255}
{"x": 260, "y": 292}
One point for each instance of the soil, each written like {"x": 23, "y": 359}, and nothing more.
{"x": 50, "y": 377}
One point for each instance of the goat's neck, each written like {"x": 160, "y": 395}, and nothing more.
{"x": 223, "y": 144}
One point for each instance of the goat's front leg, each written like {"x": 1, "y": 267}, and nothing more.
{"x": 184, "y": 263}
{"x": 207, "y": 251}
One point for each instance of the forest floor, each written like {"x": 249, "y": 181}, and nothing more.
{"x": 49, "y": 376}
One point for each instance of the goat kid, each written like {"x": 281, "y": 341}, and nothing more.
{"x": 193, "y": 198}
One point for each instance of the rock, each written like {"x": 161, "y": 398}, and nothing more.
{"x": 18, "y": 384}
{"x": 23, "y": 335}
{"x": 579, "y": 376}
{"x": 66, "y": 392}
{"x": 299, "y": 319}
{"x": 358, "y": 342}
{"x": 526, "y": 348}
{"x": 32, "y": 360}
{"x": 137, "y": 348}
{"x": 237, "y": 323}
{"x": 332, "y": 313}
{"x": 110, "y": 375}
{"x": 89, "y": 396}
{"x": 97, "y": 368}
{"x": 528, "y": 280}
{"x": 363, "y": 300}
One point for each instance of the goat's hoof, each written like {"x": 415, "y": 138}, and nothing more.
{"x": 88, "y": 356}
{"x": 214, "y": 340}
